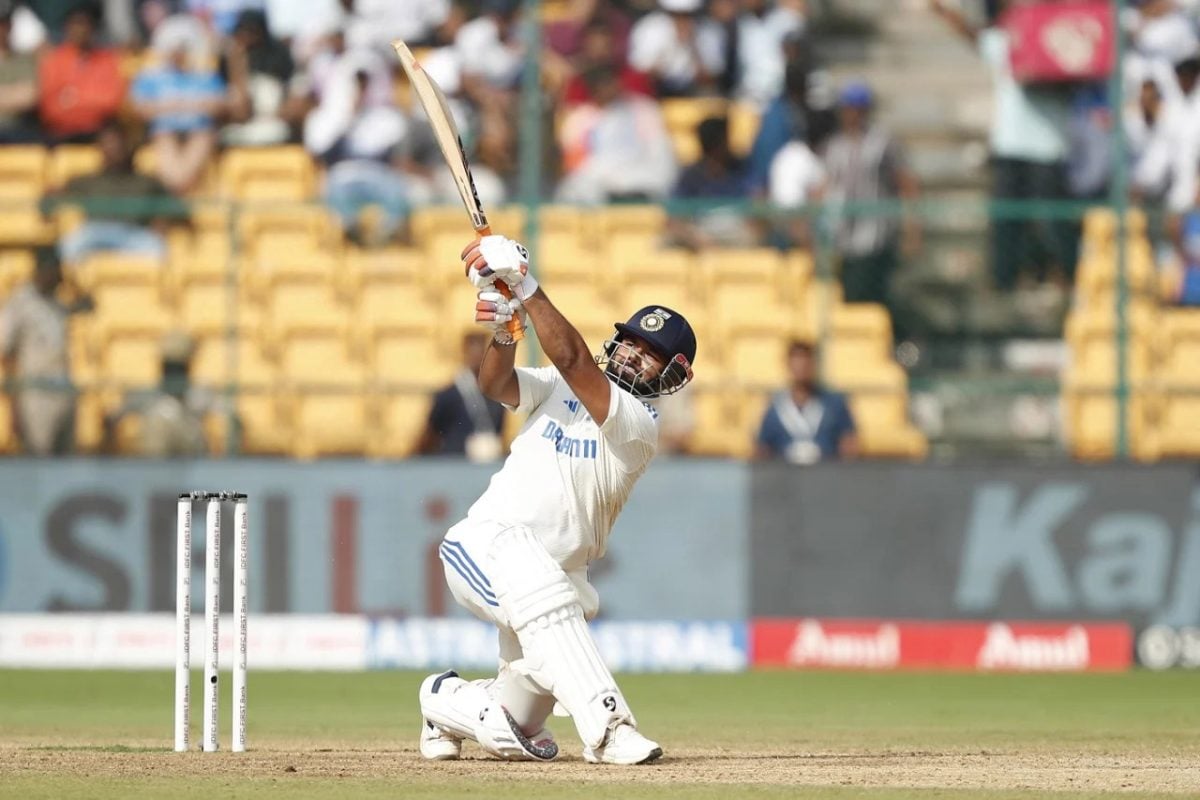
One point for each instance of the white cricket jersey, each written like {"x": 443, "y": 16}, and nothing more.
{"x": 566, "y": 477}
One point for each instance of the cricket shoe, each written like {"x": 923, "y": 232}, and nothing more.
{"x": 499, "y": 734}
{"x": 623, "y": 745}
{"x": 437, "y": 745}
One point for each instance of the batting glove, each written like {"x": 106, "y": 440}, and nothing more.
{"x": 495, "y": 258}
{"x": 493, "y": 311}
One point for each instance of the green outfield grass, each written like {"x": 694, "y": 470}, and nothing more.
{"x": 771, "y": 734}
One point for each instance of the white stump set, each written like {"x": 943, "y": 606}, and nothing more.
{"x": 212, "y": 619}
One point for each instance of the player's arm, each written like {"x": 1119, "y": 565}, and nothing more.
{"x": 498, "y": 372}
{"x": 569, "y": 353}
{"x": 497, "y": 258}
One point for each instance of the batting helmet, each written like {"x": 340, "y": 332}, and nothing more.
{"x": 668, "y": 332}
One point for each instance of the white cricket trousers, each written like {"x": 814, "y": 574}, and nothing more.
{"x": 465, "y": 554}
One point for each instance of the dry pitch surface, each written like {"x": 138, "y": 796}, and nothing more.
{"x": 79, "y": 734}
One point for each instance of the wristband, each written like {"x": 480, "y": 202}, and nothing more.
{"x": 525, "y": 289}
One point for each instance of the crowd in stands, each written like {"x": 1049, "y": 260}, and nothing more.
{"x": 1054, "y": 142}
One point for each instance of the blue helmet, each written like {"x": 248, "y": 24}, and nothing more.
{"x": 669, "y": 333}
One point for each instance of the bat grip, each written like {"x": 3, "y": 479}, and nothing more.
{"x": 514, "y": 325}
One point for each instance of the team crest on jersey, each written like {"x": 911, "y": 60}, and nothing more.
{"x": 654, "y": 321}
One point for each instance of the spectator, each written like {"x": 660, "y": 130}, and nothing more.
{"x": 1029, "y": 151}
{"x": 373, "y": 24}
{"x": 616, "y": 148}
{"x": 221, "y": 15}
{"x": 718, "y": 175}
{"x": 34, "y": 348}
{"x": 866, "y": 167}
{"x": 18, "y": 85}
{"x": 804, "y": 112}
{"x": 462, "y": 421}
{"x": 266, "y": 101}
{"x": 181, "y": 99}
{"x": 798, "y": 179}
{"x": 762, "y": 28}
{"x": 357, "y": 140}
{"x": 598, "y": 47}
{"x": 1187, "y": 290}
{"x": 806, "y": 423}
{"x": 1145, "y": 135}
{"x": 80, "y": 85}
{"x": 567, "y": 36}
{"x": 491, "y": 56}
{"x": 125, "y": 211}
{"x": 171, "y": 414}
{"x": 678, "y": 48}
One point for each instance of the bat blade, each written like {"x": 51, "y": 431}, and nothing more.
{"x": 449, "y": 141}
{"x": 445, "y": 133}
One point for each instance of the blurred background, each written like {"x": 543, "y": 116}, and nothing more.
{"x": 940, "y": 257}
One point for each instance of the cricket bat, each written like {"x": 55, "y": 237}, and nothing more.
{"x": 450, "y": 143}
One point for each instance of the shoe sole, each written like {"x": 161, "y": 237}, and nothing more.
{"x": 655, "y": 755}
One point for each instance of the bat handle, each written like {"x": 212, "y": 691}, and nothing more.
{"x": 514, "y": 324}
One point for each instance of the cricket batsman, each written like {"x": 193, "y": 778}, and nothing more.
{"x": 519, "y": 559}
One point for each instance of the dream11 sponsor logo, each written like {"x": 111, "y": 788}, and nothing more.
{"x": 1132, "y": 564}
{"x": 863, "y": 646}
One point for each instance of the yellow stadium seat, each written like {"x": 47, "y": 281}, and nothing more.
{"x": 254, "y": 223}
{"x": 284, "y": 173}
{"x": 717, "y": 431}
{"x": 89, "y": 421}
{"x": 757, "y": 358}
{"x": 129, "y": 308}
{"x": 272, "y": 266}
{"x": 1091, "y": 423}
{"x": 402, "y": 418}
{"x": 562, "y": 258}
{"x": 1100, "y": 226}
{"x": 585, "y": 309}
{"x": 884, "y": 431}
{"x": 757, "y": 265}
{"x": 411, "y": 360}
{"x": 861, "y": 321}
{"x": 744, "y": 122}
{"x": 219, "y": 360}
{"x": 331, "y": 424}
{"x": 16, "y": 268}
{"x": 386, "y": 306}
{"x": 609, "y": 221}
{"x": 8, "y": 442}
{"x": 384, "y": 265}
{"x": 1097, "y": 273}
{"x": 108, "y": 269}
{"x": 68, "y": 161}
{"x": 561, "y": 219}
{"x": 430, "y": 222}
{"x": 293, "y": 308}
{"x": 23, "y": 171}
{"x": 266, "y": 422}
{"x": 682, "y": 116}
{"x": 213, "y": 309}
{"x": 1179, "y": 347}
{"x": 654, "y": 266}
{"x": 855, "y": 376}
{"x": 748, "y": 306}
{"x": 131, "y": 361}
{"x": 320, "y": 361}
{"x": 1178, "y": 433}
{"x": 206, "y": 257}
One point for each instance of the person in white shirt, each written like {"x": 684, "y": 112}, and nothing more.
{"x": 519, "y": 559}
{"x": 679, "y": 49}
